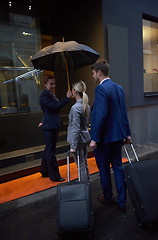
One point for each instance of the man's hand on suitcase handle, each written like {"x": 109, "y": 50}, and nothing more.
{"x": 127, "y": 140}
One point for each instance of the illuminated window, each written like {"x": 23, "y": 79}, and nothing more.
{"x": 150, "y": 56}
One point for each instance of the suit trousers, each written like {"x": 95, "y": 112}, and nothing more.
{"x": 106, "y": 154}
{"x": 49, "y": 163}
{"x": 84, "y": 172}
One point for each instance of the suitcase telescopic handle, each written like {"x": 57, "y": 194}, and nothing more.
{"x": 129, "y": 159}
{"x": 68, "y": 166}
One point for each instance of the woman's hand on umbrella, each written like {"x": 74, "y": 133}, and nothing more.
{"x": 69, "y": 94}
{"x": 40, "y": 124}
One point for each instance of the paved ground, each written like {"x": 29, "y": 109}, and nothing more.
{"x": 38, "y": 221}
{"x": 34, "y": 217}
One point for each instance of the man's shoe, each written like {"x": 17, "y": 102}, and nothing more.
{"x": 102, "y": 200}
{"x": 120, "y": 208}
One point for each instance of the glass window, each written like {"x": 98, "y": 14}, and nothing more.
{"x": 20, "y": 39}
{"x": 150, "y": 56}
{"x": 20, "y": 90}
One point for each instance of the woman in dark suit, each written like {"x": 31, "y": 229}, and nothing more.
{"x": 51, "y": 123}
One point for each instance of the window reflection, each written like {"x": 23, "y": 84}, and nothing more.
{"x": 19, "y": 90}
{"x": 20, "y": 39}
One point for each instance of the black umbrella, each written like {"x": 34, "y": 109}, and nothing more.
{"x": 52, "y": 57}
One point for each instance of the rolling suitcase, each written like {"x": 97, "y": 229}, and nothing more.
{"x": 142, "y": 183}
{"x": 74, "y": 212}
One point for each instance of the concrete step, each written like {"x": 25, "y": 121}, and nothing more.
{"x": 28, "y": 154}
{"x": 27, "y": 161}
{"x": 33, "y": 153}
{"x": 30, "y": 167}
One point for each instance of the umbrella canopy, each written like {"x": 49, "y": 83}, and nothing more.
{"x": 51, "y": 57}
{"x": 61, "y": 54}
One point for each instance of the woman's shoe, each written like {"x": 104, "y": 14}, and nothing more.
{"x": 58, "y": 180}
{"x": 61, "y": 180}
{"x": 44, "y": 174}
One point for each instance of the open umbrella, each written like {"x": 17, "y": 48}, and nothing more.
{"x": 52, "y": 57}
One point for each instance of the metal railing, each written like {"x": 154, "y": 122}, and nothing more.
{"x": 20, "y": 89}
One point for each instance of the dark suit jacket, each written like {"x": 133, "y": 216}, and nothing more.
{"x": 51, "y": 107}
{"x": 109, "y": 122}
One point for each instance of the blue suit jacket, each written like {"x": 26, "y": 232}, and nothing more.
{"x": 51, "y": 107}
{"x": 109, "y": 122}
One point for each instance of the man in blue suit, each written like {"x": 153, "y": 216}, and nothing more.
{"x": 51, "y": 123}
{"x": 109, "y": 129}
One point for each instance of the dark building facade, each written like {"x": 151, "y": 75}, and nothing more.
{"x": 124, "y": 32}
{"x": 131, "y": 37}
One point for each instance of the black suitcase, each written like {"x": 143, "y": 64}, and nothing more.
{"x": 142, "y": 184}
{"x": 74, "y": 211}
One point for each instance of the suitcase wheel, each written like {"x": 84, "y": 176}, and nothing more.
{"x": 60, "y": 235}
{"x": 90, "y": 235}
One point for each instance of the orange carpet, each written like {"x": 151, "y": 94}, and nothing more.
{"x": 34, "y": 183}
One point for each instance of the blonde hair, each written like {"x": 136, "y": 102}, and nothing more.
{"x": 80, "y": 87}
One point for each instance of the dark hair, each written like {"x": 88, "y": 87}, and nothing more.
{"x": 103, "y": 66}
{"x": 47, "y": 78}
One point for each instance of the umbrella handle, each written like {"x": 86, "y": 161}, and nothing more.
{"x": 68, "y": 81}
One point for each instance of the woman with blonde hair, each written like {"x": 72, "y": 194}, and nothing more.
{"x": 78, "y": 135}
